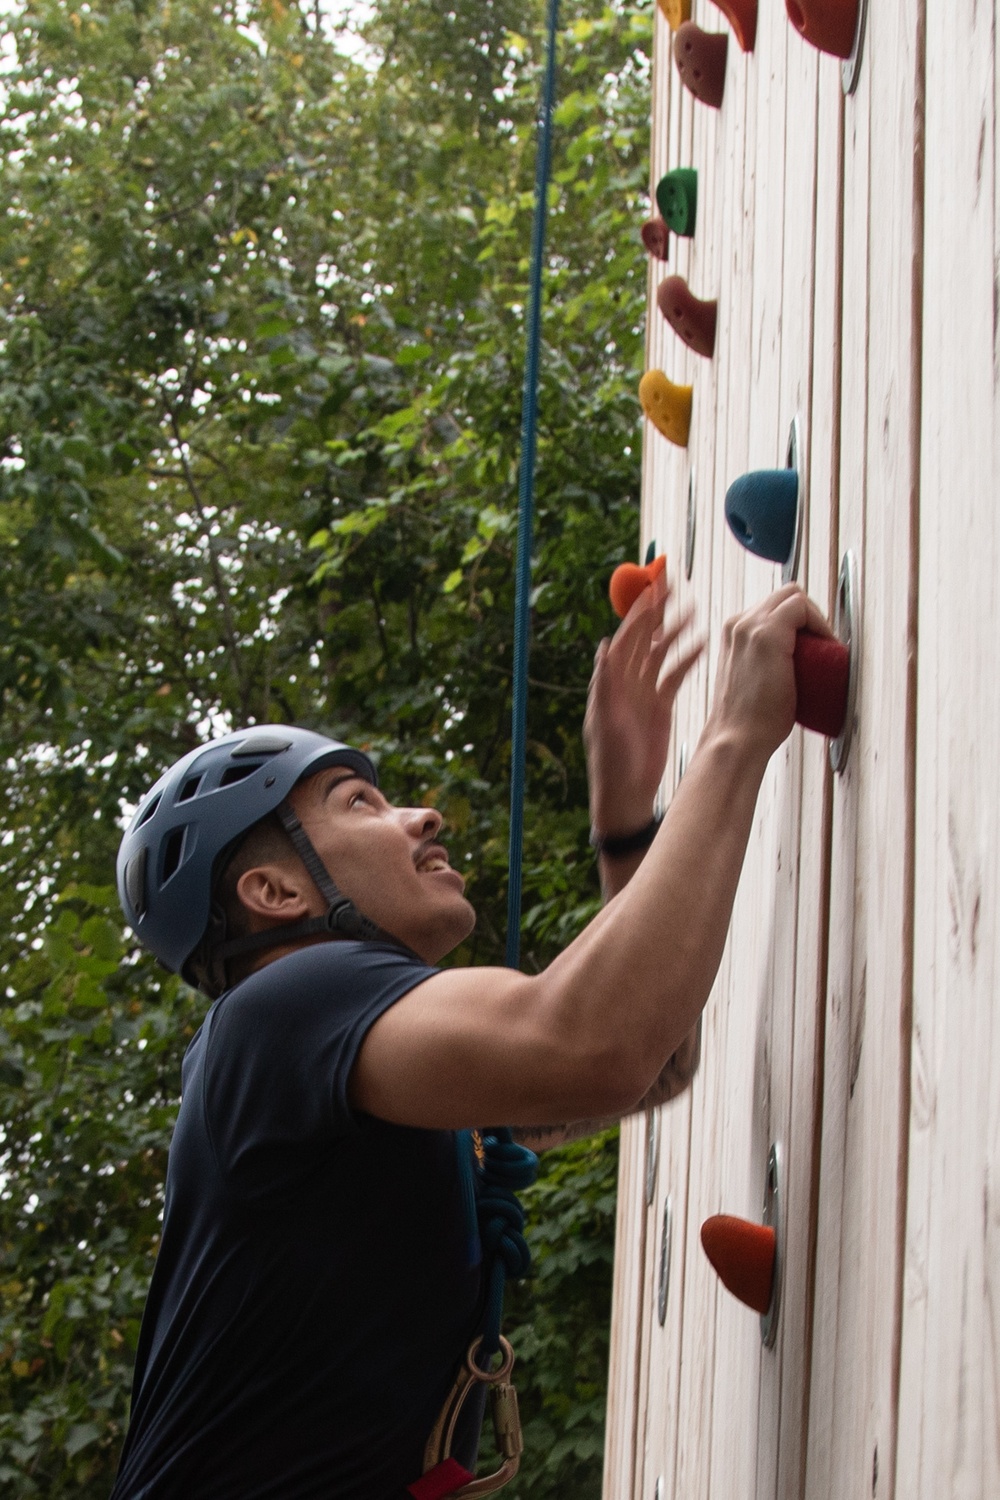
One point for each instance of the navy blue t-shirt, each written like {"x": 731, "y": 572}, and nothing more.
{"x": 318, "y": 1277}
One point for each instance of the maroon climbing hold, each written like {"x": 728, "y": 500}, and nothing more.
{"x": 656, "y": 237}
{"x": 828, "y": 24}
{"x": 701, "y": 61}
{"x": 743, "y": 1256}
{"x": 689, "y": 317}
{"x": 822, "y": 672}
{"x": 742, "y": 17}
{"x": 444, "y": 1479}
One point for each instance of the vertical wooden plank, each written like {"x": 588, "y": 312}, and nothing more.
{"x": 626, "y": 1410}
{"x": 949, "y": 1436}
{"x": 620, "y": 1428}
{"x": 855, "y": 1344}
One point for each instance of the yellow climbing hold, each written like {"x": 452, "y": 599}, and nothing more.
{"x": 667, "y": 406}
{"x": 676, "y": 12}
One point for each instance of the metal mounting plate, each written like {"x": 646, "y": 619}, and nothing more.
{"x": 793, "y": 460}
{"x": 652, "y": 1152}
{"x": 772, "y": 1218}
{"x": 663, "y": 1285}
{"x": 850, "y": 68}
{"x": 847, "y": 627}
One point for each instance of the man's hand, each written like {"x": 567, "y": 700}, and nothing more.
{"x": 630, "y": 707}
{"x": 755, "y": 684}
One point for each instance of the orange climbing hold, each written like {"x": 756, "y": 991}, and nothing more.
{"x": 628, "y": 581}
{"x": 668, "y": 406}
{"x": 742, "y": 17}
{"x": 743, "y": 1255}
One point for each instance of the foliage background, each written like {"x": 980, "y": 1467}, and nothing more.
{"x": 261, "y": 341}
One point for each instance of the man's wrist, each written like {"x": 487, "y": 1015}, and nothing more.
{"x": 622, "y": 845}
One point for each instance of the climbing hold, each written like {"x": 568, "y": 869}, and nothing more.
{"x": 667, "y": 406}
{"x": 822, "y": 674}
{"x": 650, "y": 552}
{"x": 762, "y": 510}
{"x": 701, "y": 61}
{"x": 444, "y": 1479}
{"x": 743, "y": 1255}
{"x": 677, "y": 199}
{"x": 742, "y": 17}
{"x": 829, "y": 25}
{"x": 656, "y": 237}
{"x": 675, "y": 12}
{"x": 629, "y": 580}
{"x": 689, "y": 317}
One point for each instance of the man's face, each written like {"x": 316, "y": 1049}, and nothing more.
{"x": 386, "y": 859}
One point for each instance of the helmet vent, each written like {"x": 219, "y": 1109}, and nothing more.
{"x": 237, "y": 773}
{"x": 262, "y": 744}
{"x": 150, "y": 810}
{"x": 172, "y": 851}
{"x": 189, "y": 788}
{"x": 135, "y": 882}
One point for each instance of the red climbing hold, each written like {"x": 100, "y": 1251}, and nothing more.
{"x": 822, "y": 672}
{"x": 656, "y": 237}
{"x": 628, "y": 581}
{"x": 444, "y": 1479}
{"x": 828, "y": 24}
{"x": 689, "y": 317}
{"x": 742, "y": 17}
{"x": 701, "y": 61}
{"x": 743, "y": 1256}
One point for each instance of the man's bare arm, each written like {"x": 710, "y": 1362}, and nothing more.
{"x": 673, "y": 1080}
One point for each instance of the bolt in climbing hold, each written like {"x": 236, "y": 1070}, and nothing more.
{"x": 689, "y": 317}
{"x": 822, "y": 674}
{"x": 701, "y": 61}
{"x": 656, "y": 237}
{"x": 667, "y": 406}
{"x": 629, "y": 580}
{"x": 829, "y": 25}
{"x": 742, "y": 17}
{"x": 675, "y": 12}
{"x": 762, "y": 509}
{"x": 677, "y": 199}
{"x": 743, "y": 1256}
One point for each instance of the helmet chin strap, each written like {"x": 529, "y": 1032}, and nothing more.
{"x": 341, "y": 918}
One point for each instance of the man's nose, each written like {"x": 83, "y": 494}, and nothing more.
{"x": 423, "y": 822}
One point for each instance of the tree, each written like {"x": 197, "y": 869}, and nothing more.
{"x": 261, "y": 340}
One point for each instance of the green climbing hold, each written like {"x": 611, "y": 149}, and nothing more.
{"x": 677, "y": 199}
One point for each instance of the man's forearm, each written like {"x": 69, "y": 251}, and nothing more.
{"x": 673, "y": 1080}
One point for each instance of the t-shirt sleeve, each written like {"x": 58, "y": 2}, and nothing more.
{"x": 282, "y": 1044}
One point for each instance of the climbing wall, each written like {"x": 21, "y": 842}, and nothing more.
{"x": 851, "y": 1026}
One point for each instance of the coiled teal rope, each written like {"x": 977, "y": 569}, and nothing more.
{"x": 526, "y": 497}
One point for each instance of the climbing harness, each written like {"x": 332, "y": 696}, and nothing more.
{"x": 502, "y": 1167}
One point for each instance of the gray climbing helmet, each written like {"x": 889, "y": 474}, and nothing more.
{"x": 171, "y": 854}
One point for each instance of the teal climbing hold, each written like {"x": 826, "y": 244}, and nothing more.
{"x": 761, "y": 510}
{"x": 677, "y": 199}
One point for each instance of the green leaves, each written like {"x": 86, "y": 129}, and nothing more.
{"x": 261, "y": 351}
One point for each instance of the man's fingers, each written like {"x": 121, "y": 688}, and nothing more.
{"x": 800, "y": 612}
{"x": 664, "y": 638}
{"x": 670, "y": 682}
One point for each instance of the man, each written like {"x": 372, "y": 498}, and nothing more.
{"x": 319, "y": 1277}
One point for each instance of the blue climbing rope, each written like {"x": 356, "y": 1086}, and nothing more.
{"x": 526, "y": 496}
{"x": 506, "y": 1167}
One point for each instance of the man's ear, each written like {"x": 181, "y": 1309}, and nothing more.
{"x": 272, "y": 893}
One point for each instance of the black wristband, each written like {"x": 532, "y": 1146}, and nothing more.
{"x": 616, "y": 847}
